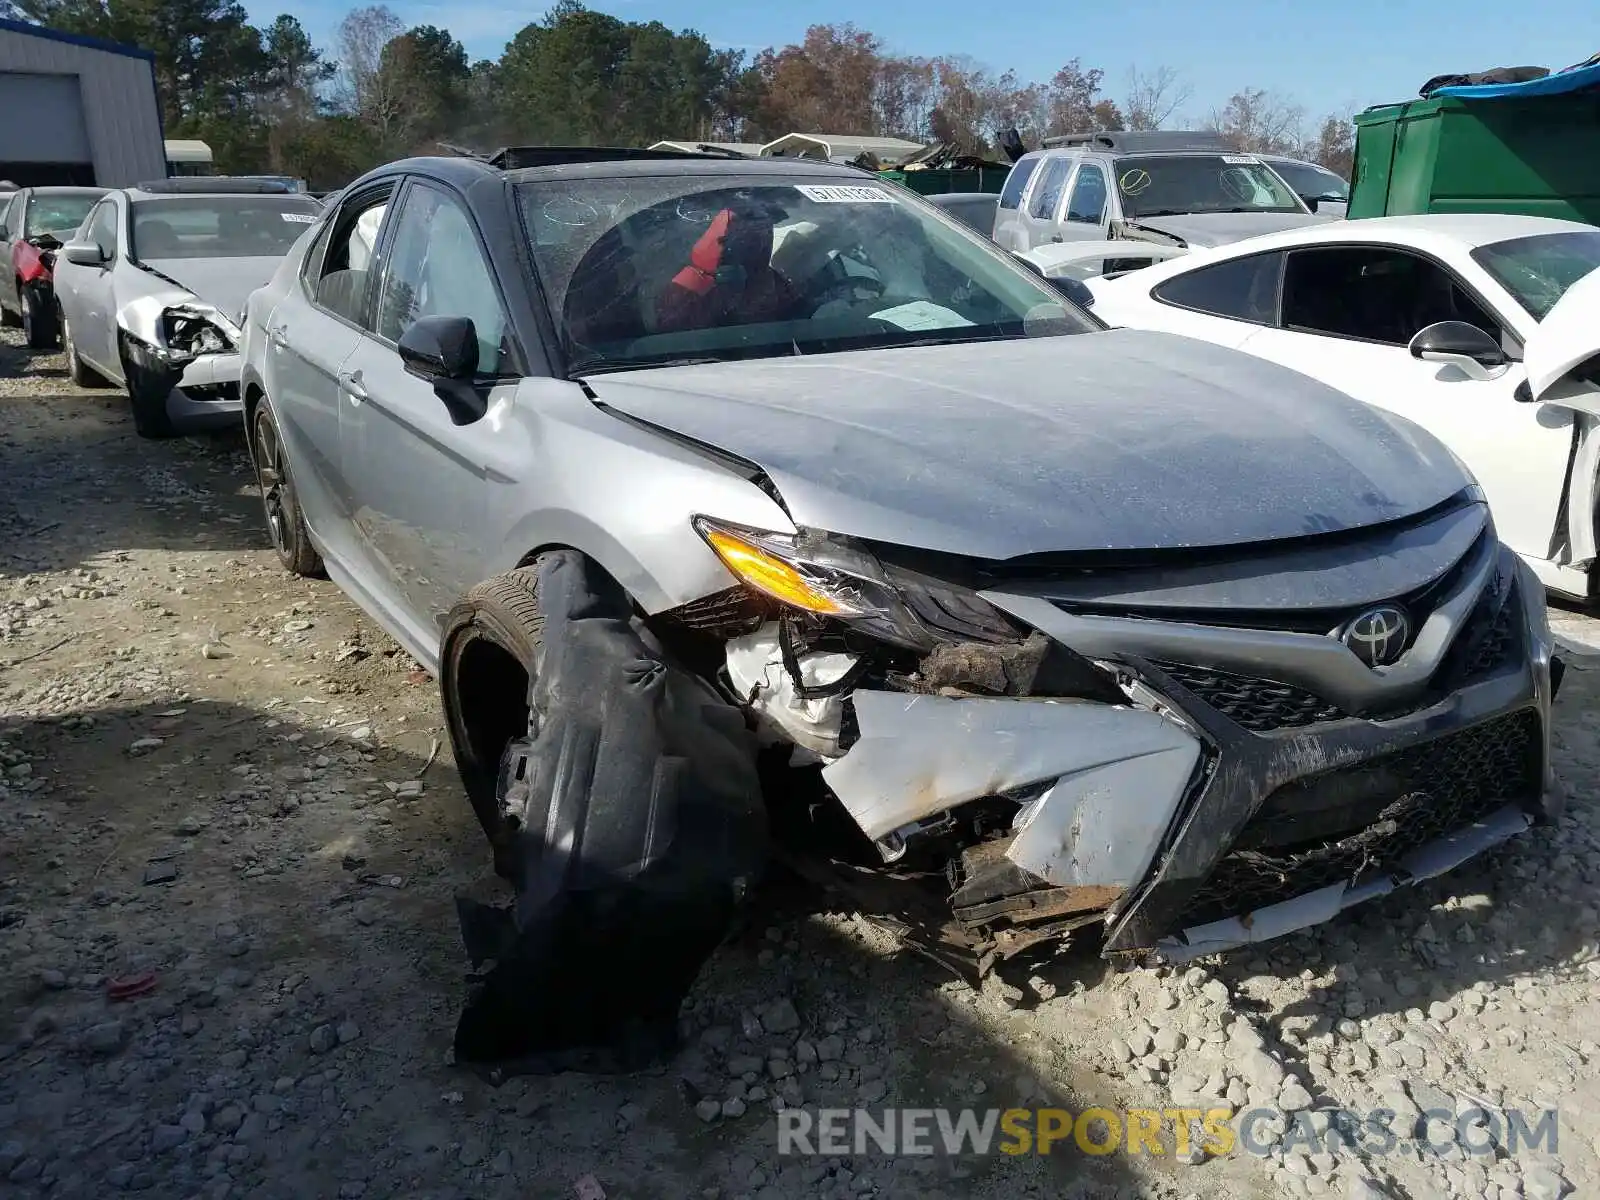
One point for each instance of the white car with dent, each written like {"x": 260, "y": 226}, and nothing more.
{"x": 1481, "y": 328}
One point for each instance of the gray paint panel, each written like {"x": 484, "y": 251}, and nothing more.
{"x": 53, "y": 130}
{"x": 120, "y": 116}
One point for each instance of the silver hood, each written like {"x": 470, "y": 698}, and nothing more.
{"x": 1201, "y": 230}
{"x": 223, "y": 283}
{"x": 1120, "y": 440}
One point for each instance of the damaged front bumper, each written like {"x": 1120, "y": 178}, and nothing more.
{"x": 186, "y": 354}
{"x": 1225, "y": 803}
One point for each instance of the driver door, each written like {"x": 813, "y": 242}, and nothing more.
{"x": 89, "y": 302}
{"x": 419, "y": 482}
{"x": 1038, "y": 224}
{"x": 1348, "y": 314}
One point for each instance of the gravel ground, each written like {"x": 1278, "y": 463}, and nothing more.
{"x": 226, "y": 779}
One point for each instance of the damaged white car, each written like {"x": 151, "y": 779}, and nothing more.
{"x": 151, "y": 290}
{"x": 755, "y": 509}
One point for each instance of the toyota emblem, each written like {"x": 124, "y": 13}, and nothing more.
{"x": 1378, "y": 636}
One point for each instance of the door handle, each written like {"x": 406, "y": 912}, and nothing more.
{"x": 350, "y": 385}
{"x": 1057, "y": 238}
{"x": 277, "y": 336}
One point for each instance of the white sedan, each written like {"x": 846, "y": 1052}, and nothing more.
{"x": 1475, "y": 326}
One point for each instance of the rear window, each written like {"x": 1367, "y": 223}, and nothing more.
{"x": 1017, "y": 182}
{"x": 246, "y": 226}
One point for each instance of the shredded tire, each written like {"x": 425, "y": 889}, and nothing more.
{"x": 626, "y": 812}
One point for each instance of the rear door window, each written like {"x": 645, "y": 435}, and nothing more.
{"x": 341, "y": 283}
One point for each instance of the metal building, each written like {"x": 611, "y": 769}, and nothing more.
{"x": 76, "y": 110}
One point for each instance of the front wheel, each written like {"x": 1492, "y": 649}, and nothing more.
{"x": 286, "y": 524}
{"x": 80, "y": 372}
{"x": 38, "y": 320}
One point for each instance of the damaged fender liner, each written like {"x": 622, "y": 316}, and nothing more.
{"x": 636, "y": 826}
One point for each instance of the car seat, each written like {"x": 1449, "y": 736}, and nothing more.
{"x": 156, "y": 239}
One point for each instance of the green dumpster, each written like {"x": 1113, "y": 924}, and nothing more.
{"x": 1529, "y": 148}
{"x": 936, "y": 181}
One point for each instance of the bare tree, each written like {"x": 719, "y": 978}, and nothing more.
{"x": 1153, "y": 97}
{"x": 359, "y": 44}
{"x": 1260, "y": 122}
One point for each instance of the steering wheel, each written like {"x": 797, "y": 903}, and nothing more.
{"x": 845, "y": 288}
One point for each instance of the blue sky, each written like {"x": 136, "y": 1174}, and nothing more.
{"x": 1348, "y": 53}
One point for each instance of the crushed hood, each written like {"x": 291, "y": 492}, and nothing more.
{"x": 223, "y": 283}
{"x": 1121, "y": 440}
{"x": 1201, "y": 230}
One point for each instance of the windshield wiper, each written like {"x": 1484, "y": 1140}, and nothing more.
{"x": 1164, "y": 212}
{"x": 606, "y": 367}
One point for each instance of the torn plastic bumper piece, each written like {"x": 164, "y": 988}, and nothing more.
{"x": 637, "y": 827}
{"x": 1313, "y": 908}
{"x": 1119, "y": 775}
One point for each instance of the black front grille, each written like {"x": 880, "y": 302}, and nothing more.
{"x": 1259, "y": 705}
{"x": 1342, "y": 825}
{"x": 1491, "y": 633}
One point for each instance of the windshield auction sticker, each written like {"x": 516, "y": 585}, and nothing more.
{"x": 298, "y": 218}
{"x": 844, "y": 194}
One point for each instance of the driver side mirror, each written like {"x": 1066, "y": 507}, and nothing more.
{"x": 84, "y": 254}
{"x": 443, "y": 351}
{"x": 1311, "y": 202}
{"x": 1466, "y": 347}
{"x": 440, "y": 348}
{"x": 1074, "y": 290}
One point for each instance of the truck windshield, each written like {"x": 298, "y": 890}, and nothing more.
{"x": 245, "y": 226}
{"x": 1154, "y": 185}
{"x": 1311, "y": 180}
{"x": 1538, "y": 270}
{"x": 642, "y": 271}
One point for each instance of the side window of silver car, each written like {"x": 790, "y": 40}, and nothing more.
{"x": 102, "y": 228}
{"x": 435, "y": 267}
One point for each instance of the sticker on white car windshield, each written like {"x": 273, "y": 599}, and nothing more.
{"x": 299, "y": 218}
{"x": 1240, "y": 158}
{"x": 844, "y": 193}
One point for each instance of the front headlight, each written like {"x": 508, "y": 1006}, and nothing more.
{"x": 828, "y": 577}
{"x": 191, "y": 332}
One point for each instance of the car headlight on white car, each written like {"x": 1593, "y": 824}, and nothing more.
{"x": 192, "y": 331}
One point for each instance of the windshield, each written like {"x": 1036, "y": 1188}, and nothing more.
{"x": 1538, "y": 270}
{"x": 1314, "y": 181}
{"x": 220, "y": 226}
{"x": 1157, "y": 186}
{"x": 56, "y": 214}
{"x": 645, "y": 271}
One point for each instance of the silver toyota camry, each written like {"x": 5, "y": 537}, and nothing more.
{"x": 151, "y": 288}
{"x": 755, "y": 512}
